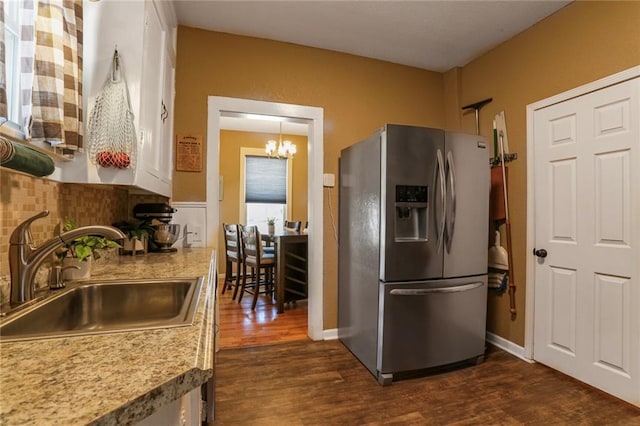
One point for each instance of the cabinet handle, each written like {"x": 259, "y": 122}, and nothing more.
{"x": 165, "y": 114}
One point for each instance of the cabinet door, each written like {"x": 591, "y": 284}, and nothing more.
{"x": 151, "y": 87}
{"x": 182, "y": 411}
{"x": 165, "y": 160}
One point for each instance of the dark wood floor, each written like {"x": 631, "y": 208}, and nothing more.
{"x": 269, "y": 373}
{"x": 321, "y": 383}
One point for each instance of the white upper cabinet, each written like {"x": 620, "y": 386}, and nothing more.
{"x": 166, "y": 125}
{"x": 156, "y": 115}
{"x": 144, "y": 33}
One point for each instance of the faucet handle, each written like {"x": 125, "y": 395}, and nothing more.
{"x": 55, "y": 276}
{"x": 22, "y": 234}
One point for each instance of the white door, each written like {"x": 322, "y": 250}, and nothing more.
{"x": 587, "y": 219}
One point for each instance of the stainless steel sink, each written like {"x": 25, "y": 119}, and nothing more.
{"x": 106, "y": 306}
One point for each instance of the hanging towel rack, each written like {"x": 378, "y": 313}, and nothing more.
{"x": 507, "y": 159}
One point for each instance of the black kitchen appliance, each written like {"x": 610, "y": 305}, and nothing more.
{"x": 158, "y": 216}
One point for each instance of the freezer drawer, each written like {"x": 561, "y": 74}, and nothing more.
{"x": 428, "y": 324}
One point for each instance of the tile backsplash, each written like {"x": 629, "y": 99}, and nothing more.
{"x": 23, "y": 196}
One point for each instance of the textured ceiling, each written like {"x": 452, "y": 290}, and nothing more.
{"x": 434, "y": 35}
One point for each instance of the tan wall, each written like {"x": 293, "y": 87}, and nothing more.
{"x": 581, "y": 43}
{"x": 230, "y": 144}
{"x": 358, "y": 95}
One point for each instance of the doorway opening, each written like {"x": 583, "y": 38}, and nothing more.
{"x": 312, "y": 116}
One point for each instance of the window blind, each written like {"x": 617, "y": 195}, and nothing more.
{"x": 266, "y": 180}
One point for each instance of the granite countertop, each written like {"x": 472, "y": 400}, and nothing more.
{"x": 117, "y": 378}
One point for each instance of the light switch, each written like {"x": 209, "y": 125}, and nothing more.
{"x": 328, "y": 180}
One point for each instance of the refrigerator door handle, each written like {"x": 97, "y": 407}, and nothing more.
{"x": 426, "y": 291}
{"x": 440, "y": 174}
{"x": 451, "y": 211}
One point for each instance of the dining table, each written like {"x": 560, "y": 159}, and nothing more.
{"x": 291, "y": 265}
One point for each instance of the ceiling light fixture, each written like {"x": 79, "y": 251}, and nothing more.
{"x": 281, "y": 149}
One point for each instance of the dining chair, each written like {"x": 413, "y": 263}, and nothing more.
{"x": 262, "y": 264}
{"x": 292, "y": 226}
{"x": 233, "y": 254}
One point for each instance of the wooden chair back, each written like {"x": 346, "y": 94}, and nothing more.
{"x": 251, "y": 244}
{"x": 232, "y": 246}
{"x": 292, "y": 226}
{"x": 253, "y": 258}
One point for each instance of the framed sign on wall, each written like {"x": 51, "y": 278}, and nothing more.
{"x": 189, "y": 153}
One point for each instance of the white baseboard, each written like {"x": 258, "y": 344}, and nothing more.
{"x": 508, "y": 346}
{"x": 331, "y": 334}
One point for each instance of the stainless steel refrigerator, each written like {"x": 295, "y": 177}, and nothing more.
{"x": 412, "y": 252}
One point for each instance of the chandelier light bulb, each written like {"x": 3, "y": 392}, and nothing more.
{"x": 281, "y": 149}
{"x": 271, "y": 148}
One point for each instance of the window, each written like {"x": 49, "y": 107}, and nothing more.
{"x": 11, "y": 37}
{"x": 265, "y": 188}
{"x": 41, "y": 71}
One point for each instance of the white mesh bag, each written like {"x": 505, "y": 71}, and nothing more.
{"x": 111, "y": 134}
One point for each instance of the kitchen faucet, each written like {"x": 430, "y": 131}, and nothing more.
{"x": 25, "y": 258}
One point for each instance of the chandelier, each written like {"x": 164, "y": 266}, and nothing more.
{"x": 281, "y": 149}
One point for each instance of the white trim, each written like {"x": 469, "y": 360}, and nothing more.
{"x": 315, "y": 214}
{"x": 331, "y": 334}
{"x": 188, "y": 214}
{"x": 616, "y": 78}
{"x": 189, "y": 204}
{"x": 508, "y": 346}
{"x": 619, "y": 77}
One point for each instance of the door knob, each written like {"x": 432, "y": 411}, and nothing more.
{"x": 540, "y": 253}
